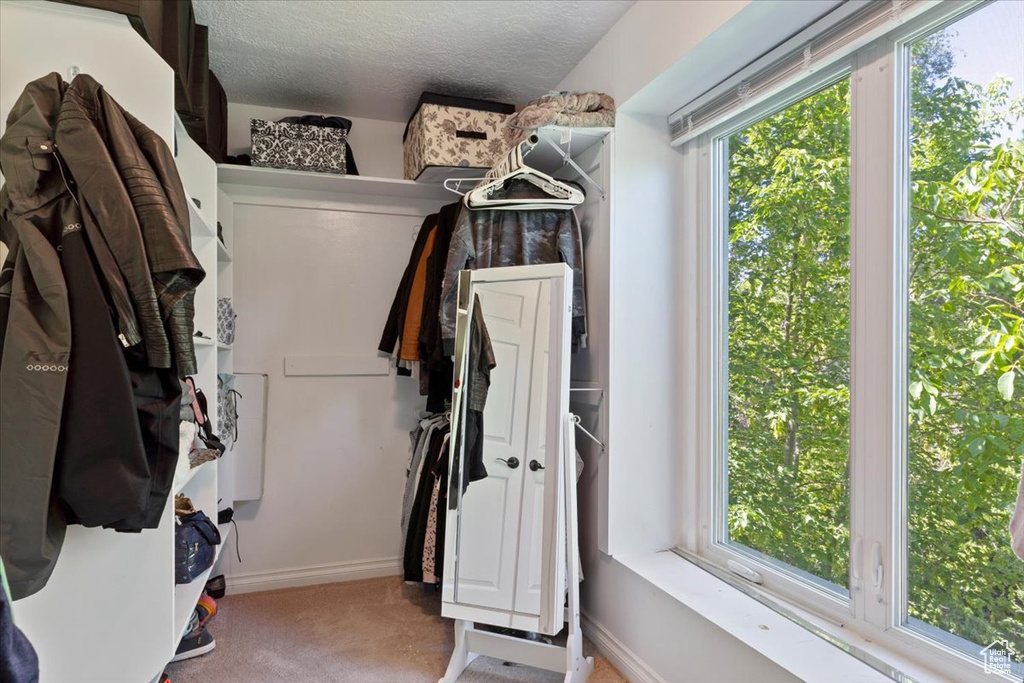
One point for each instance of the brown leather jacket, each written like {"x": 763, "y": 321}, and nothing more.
{"x": 132, "y": 203}
{"x": 147, "y": 256}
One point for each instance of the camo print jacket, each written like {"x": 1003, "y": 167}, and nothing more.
{"x": 491, "y": 238}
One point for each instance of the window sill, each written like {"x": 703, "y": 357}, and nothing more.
{"x": 794, "y": 648}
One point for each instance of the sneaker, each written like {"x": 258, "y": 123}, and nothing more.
{"x": 194, "y": 645}
{"x": 206, "y": 609}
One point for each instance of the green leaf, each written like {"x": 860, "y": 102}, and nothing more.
{"x": 1006, "y": 385}
{"x": 915, "y": 389}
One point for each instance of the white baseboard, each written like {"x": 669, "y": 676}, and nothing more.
{"x": 309, "y": 576}
{"x": 625, "y": 660}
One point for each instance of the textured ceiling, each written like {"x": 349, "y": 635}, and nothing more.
{"x": 373, "y": 58}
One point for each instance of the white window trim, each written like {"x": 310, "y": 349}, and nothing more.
{"x": 879, "y": 229}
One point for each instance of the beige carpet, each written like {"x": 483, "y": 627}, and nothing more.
{"x": 359, "y": 632}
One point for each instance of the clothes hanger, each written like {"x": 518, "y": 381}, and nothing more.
{"x": 561, "y": 195}
{"x": 455, "y": 184}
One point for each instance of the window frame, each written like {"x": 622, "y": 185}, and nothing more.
{"x": 777, "y": 578}
{"x": 879, "y": 251}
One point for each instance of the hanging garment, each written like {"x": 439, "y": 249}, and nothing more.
{"x": 441, "y": 477}
{"x": 478, "y": 381}
{"x": 431, "y": 348}
{"x": 430, "y": 546}
{"x": 482, "y": 360}
{"x": 102, "y": 471}
{"x": 135, "y": 205}
{"x": 36, "y": 339}
{"x": 489, "y": 238}
{"x": 57, "y": 455}
{"x": 390, "y": 339}
{"x": 157, "y": 394}
{"x": 410, "y": 346}
{"x": 421, "y": 440}
{"x": 437, "y": 370}
{"x": 416, "y": 540}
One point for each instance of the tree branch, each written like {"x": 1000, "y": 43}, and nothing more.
{"x": 998, "y": 299}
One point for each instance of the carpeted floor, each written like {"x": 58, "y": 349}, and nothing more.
{"x": 359, "y": 632}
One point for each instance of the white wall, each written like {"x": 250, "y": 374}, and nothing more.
{"x": 316, "y": 278}
{"x": 377, "y": 145}
{"x": 646, "y": 41}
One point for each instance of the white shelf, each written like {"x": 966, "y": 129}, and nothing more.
{"x": 190, "y": 476}
{"x": 223, "y": 347}
{"x": 202, "y": 341}
{"x": 222, "y": 253}
{"x": 251, "y": 176}
{"x": 225, "y": 534}
{"x": 186, "y": 597}
{"x": 200, "y": 228}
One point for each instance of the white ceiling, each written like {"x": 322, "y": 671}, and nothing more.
{"x": 373, "y": 58}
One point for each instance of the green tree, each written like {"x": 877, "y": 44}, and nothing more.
{"x": 789, "y": 306}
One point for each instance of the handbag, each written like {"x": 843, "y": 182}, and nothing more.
{"x": 225, "y": 320}
{"x": 205, "y": 431}
{"x": 195, "y": 536}
{"x": 227, "y": 407}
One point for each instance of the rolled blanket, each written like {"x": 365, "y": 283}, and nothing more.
{"x": 574, "y": 109}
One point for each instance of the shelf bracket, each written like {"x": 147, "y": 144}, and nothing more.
{"x": 567, "y": 158}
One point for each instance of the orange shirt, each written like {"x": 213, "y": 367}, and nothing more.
{"x": 414, "y": 309}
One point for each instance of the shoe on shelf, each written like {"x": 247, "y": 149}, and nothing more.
{"x": 206, "y": 609}
{"x": 194, "y": 644}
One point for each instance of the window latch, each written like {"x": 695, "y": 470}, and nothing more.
{"x": 878, "y": 572}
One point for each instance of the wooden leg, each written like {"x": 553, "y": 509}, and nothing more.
{"x": 461, "y": 656}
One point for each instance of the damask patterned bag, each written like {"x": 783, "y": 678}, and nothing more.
{"x": 454, "y": 131}
{"x": 225, "y": 320}
{"x": 298, "y": 147}
{"x": 227, "y": 408}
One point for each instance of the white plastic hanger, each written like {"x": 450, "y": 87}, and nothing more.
{"x": 561, "y": 195}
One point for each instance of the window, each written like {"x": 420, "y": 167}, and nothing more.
{"x": 789, "y": 337}
{"x": 860, "y": 352}
{"x": 964, "y": 336}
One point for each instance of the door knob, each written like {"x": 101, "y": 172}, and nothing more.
{"x": 534, "y": 466}
{"x": 512, "y": 462}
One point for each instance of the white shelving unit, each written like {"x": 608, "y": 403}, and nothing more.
{"x": 280, "y": 179}
{"x": 111, "y": 612}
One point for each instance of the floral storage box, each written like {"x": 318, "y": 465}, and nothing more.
{"x": 447, "y": 132}
{"x": 298, "y": 147}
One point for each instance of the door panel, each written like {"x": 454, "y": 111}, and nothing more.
{"x": 531, "y": 540}
{"x": 489, "y": 520}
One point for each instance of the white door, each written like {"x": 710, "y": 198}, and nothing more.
{"x": 531, "y": 535}
{"x": 489, "y": 519}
